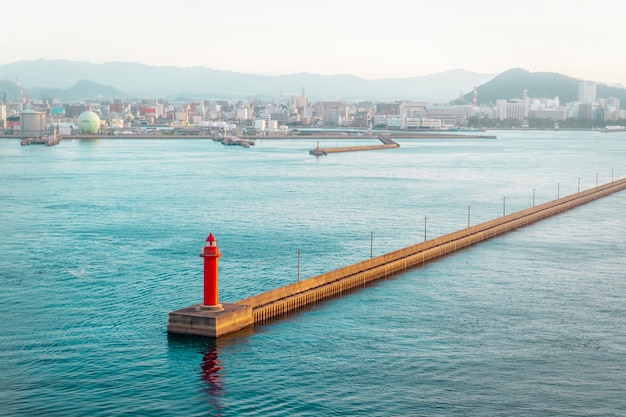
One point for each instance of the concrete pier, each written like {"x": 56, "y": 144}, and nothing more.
{"x": 198, "y": 321}
{"x": 48, "y": 140}
{"x": 388, "y": 143}
{"x": 280, "y": 301}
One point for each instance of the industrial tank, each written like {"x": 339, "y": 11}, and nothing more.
{"x": 32, "y": 122}
{"x": 88, "y": 122}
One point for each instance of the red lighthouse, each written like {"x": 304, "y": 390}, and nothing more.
{"x": 211, "y": 254}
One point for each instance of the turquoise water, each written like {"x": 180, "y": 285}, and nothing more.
{"x": 100, "y": 240}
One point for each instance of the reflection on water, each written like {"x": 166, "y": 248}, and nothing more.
{"x": 208, "y": 366}
{"x": 520, "y": 325}
{"x": 211, "y": 370}
{"x": 212, "y": 375}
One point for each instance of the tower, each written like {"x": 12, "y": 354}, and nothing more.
{"x": 211, "y": 254}
{"x": 210, "y": 318}
{"x": 587, "y": 92}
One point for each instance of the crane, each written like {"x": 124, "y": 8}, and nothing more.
{"x": 23, "y": 98}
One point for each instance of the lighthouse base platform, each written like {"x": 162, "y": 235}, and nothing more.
{"x": 196, "y": 321}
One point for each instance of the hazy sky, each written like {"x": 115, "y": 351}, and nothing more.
{"x": 384, "y": 39}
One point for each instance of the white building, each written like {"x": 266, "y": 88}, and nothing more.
{"x": 412, "y": 108}
{"x": 587, "y": 92}
{"x": 516, "y": 109}
{"x": 260, "y": 125}
{"x": 242, "y": 114}
{"x": 272, "y": 126}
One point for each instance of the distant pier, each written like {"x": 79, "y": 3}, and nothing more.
{"x": 388, "y": 143}
{"x": 275, "y": 303}
{"x": 48, "y": 140}
{"x": 234, "y": 140}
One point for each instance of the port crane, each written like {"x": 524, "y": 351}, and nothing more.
{"x": 23, "y": 98}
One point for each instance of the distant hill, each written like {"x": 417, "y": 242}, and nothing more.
{"x": 511, "y": 84}
{"x": 81, "y": 90}
{"x": 10, "y": 88}
{"x": 143, "y": 81}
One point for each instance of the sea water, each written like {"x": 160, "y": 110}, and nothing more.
{"x": 100, "y": 239}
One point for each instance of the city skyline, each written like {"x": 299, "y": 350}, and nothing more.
{"x": 576, "y": 38}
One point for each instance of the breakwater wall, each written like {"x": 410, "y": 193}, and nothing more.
{"x": 280, "y": 301}
{"x": 326, "y": 151}
{"x": 387, "y": 143}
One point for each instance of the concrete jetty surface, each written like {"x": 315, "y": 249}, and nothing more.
{"x": 280, "y": 301}
{"x": 387, "y": 143}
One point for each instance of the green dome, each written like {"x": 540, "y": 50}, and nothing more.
{"x": 88, "y": 122}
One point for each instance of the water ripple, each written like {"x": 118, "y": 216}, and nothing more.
{"x": 101, "y": 241}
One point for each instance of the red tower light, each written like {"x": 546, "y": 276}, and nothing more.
{"x": 211, "y": 254}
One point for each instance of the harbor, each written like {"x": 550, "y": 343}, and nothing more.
{"x": 102, "y": 241}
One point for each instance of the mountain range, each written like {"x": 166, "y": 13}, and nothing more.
{"x": 58, "y": 78}
{"x": 74, "y": 81}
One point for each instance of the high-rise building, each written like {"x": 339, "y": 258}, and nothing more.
{"x": 587, "y": 92}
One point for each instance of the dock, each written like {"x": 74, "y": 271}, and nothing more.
{"x": 272, "y": 304}
{"x": 48, "y": 140}
{"x": 234, "y": 140}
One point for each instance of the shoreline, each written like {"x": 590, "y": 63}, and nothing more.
{"x": 275, "y": 137}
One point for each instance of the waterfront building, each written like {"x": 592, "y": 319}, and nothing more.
{"x": 396, "y": 123}
{"x": 587, "y": 92}
{"x": 412, "y": 108}
{"x": 585, "y": 111}
{"x": 260, "y": 125}
{"x": 555, "y": 114}
{"x": 516, "y": 109}
{"x": 333, "y": 113}
{"x": 362, "y": 119}
{"x": 448, "y": 115}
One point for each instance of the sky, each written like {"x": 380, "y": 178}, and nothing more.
{"x": 372, "y": 40}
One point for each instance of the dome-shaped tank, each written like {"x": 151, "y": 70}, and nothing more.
{"x": 88, "y": 122}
